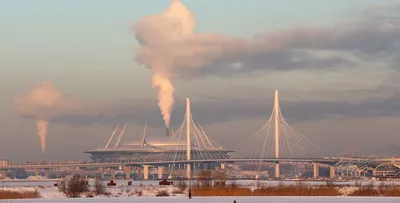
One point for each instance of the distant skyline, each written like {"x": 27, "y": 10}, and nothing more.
{"x": 336, "y": 66}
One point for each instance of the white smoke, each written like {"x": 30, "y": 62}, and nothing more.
{"x": 39, "y": 102}
{"x": 165, "y": 95}
{"x": 171, "y": 48}
{"x": 44, "y": 102}
{"x": 176, "y": 22}
{"x": 42, "y": 126}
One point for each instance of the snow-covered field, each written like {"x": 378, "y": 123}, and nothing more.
{"x": 220, "y": 200}
{"x": 148, "y": 189}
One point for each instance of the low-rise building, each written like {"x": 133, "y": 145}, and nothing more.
{"x": 4, "y": 162}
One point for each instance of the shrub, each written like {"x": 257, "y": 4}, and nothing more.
{"x": 366, "y": 190}
{"x": 182, "y": 185}
{"x": 17, "y": 195}
{"x": 290, "y": 190}
{"x": 139, "y": 193}
{"x": 162, "y": 193}
{"x": 99, "y": 188}
{"x": 91, "y": 194}
{"x": 204, "y": 177}
{"x": 178, "y": 191}
{"x": 391, "y": 190}
{"x": 77, "y": 185}
{"x": 220, "y": 175}
{"x": 73, "y": 187}
{"x": 62, "y": 187}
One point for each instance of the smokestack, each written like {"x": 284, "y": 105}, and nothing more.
{"x": 170, "y": 132}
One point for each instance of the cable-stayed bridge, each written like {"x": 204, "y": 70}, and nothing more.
{"x": 276, "y": 142}
{"x": 277, "y": 139}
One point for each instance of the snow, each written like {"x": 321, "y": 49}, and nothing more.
{"x": 148, "y": 189}
{"x": 347, "y": 190}
{"x": 20, "y": 189}
{"x": 220, "y": 200}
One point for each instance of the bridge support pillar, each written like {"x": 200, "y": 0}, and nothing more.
{"x": 188, "y": 171}
{"x": 73, "y": 171}
{"x": 102, "y": 173}
{"x": 47, "y": 173}
{"x": 277, "y": 170}
{"x": 113, "y": 174}
{"x": 127, "y": 172}
{"x": 316, "y": 170}
{"x": 160, "y": 172}
{"x": 82, "y": 172}
{"x": 145, "y": 172}
{"x": 3, "y": 173}
{"x": 37, "y": 172}
{"x": 331, "y": 172}
{"x": 140, "y": 171}
{"x": 222, "y": 165}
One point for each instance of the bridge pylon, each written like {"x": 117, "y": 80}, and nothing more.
{"x": 279, "y": 141}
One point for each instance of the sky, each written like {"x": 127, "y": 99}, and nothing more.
{"x": 335, "y": 64}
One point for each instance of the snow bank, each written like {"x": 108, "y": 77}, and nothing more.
{"x": 219, "y": 200}
{"x": 35, "y": 178}
{"x": 347, "y": 190}
{"x": 20, "y": 189}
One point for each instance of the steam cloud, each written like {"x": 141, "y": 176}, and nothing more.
{"x": 165, "y": 95}
{"x": 46, "y": 104}
{"x": 43, "y": 103}
{"x": 160, "y": 31}
{"x": 172, "y": 50}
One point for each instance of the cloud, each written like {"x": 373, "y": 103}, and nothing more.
{"x": 173, "y": 51}
{"x": 45, "y": 101}
{"x": 203, "y": 54}
{"x": 210, "y": 110}
{"x": 356, "y": 49}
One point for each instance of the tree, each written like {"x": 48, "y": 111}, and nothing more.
{"x": 99, "y": 188}
{"x": 204, "y": 177}
{"x": 74, "y": 186}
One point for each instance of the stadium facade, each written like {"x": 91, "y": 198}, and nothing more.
{"x": 172, "y": 149}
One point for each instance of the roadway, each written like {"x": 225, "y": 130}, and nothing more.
{"x": 329, "y": 161}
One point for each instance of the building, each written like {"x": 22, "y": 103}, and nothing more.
{"x": 155, "y": 152}
{"x": 4, "y": 162}
{"x": 170, "y": 149}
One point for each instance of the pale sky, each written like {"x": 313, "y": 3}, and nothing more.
{"x": 343, "y": 94}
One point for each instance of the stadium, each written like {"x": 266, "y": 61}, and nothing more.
{"x": 172, "y": 149}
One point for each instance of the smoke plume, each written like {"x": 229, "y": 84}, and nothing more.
{"x": 45, "y": 102}
{"x": 42, "y": 126}
{"x": 165, "y": 95}
{"x": 160, "y": 31}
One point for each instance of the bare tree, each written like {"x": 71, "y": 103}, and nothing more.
{"x": 220, "y": 177}
{"x": 99, "y": 188}
{"x": 74, "y": 186}
{"x": 204, "y": 177}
